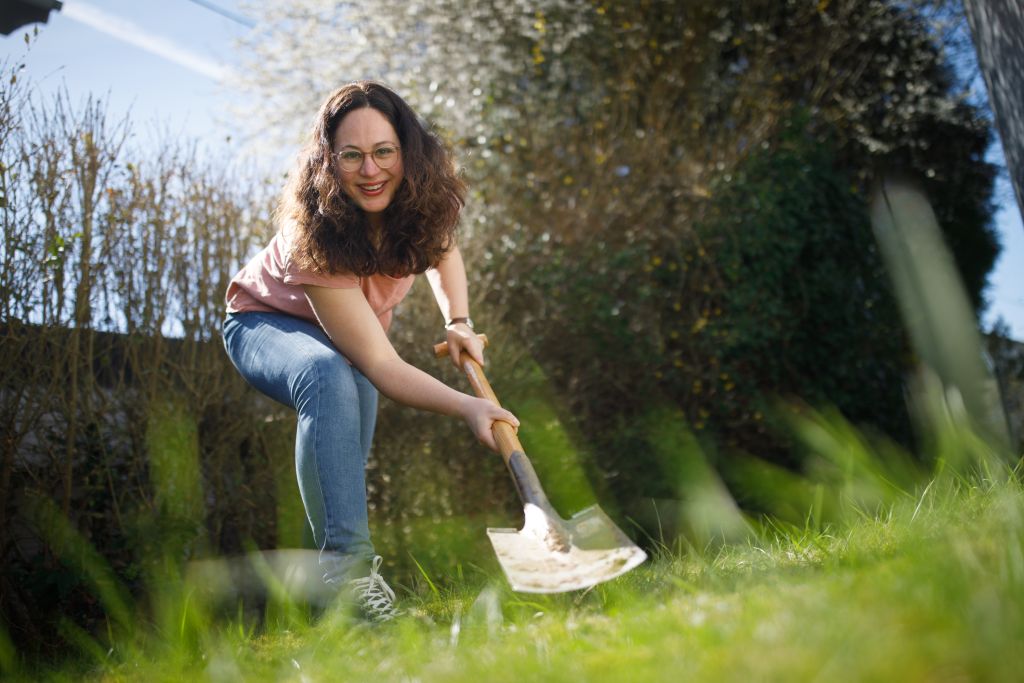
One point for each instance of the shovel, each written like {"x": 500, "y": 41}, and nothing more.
{"x": 549, "y": 554}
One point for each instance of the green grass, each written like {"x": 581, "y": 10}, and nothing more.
{"x": 929, "y": 588}
{"x": 872, "y": 566}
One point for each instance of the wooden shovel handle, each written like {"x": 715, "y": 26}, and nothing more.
{"x": 504, "y": 434}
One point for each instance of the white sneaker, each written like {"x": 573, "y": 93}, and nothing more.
{"x": 373, "y": 595}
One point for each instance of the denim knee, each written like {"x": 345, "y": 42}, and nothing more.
{"x": 326, "y": 374}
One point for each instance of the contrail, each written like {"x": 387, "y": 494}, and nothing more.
{"x": 133, "y": 34}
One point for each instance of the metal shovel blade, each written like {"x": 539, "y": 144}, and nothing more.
{"x": 549, "y": 554}
{"x": 554, "y": 555}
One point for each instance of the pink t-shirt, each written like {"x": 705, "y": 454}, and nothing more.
{"x": 272, "y": 282}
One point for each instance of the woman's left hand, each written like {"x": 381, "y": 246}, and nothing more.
{"x": 462, "y": 338}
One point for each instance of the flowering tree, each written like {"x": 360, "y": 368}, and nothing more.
{"x": 659, "y": 187}
{"x": 559, "y": 93}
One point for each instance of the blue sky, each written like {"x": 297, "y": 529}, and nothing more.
{"x": 170, "y": 64}
{"x": 166, "y": 62}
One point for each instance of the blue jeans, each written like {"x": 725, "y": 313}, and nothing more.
{"x": 292, "y": 361}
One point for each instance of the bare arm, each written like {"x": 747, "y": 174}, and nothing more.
{"x": 448, "y": 280}
{"x": 355, "y": 330}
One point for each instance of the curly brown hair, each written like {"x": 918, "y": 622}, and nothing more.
{"x": 333, "y": 234}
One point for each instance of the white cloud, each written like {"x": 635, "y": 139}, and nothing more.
{"x": 133, "y": 34}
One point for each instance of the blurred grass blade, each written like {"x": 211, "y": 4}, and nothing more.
{"x": 69, "y": 545}
{"x": 934, "y": 304}
{"x": 289, "y": 577}
{"x": 704, "y": 508}
{"x": 861, "y": 472}
{"x": 8, "y": 653}
{"x": 85, "y": 643}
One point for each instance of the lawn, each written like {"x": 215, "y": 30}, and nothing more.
{"x": 930, "y": 587}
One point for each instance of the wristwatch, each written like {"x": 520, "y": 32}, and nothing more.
{"x": 464, "y": 319}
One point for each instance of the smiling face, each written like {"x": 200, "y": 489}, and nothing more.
{"x": 371, "y": 187}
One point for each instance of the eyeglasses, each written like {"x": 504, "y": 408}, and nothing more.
{"x": 351, "y": 159}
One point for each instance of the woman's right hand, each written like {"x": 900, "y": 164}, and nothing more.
{"x": 480, "y": 414}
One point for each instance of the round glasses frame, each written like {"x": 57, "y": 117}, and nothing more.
{"x": 384, "y": 157}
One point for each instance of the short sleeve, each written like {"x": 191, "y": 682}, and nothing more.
{"x": 293, "y": 275}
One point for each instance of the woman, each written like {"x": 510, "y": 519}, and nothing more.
{"x": 373, "y": 201}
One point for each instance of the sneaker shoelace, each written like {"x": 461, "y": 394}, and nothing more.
{"x": 374, "y": 595}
